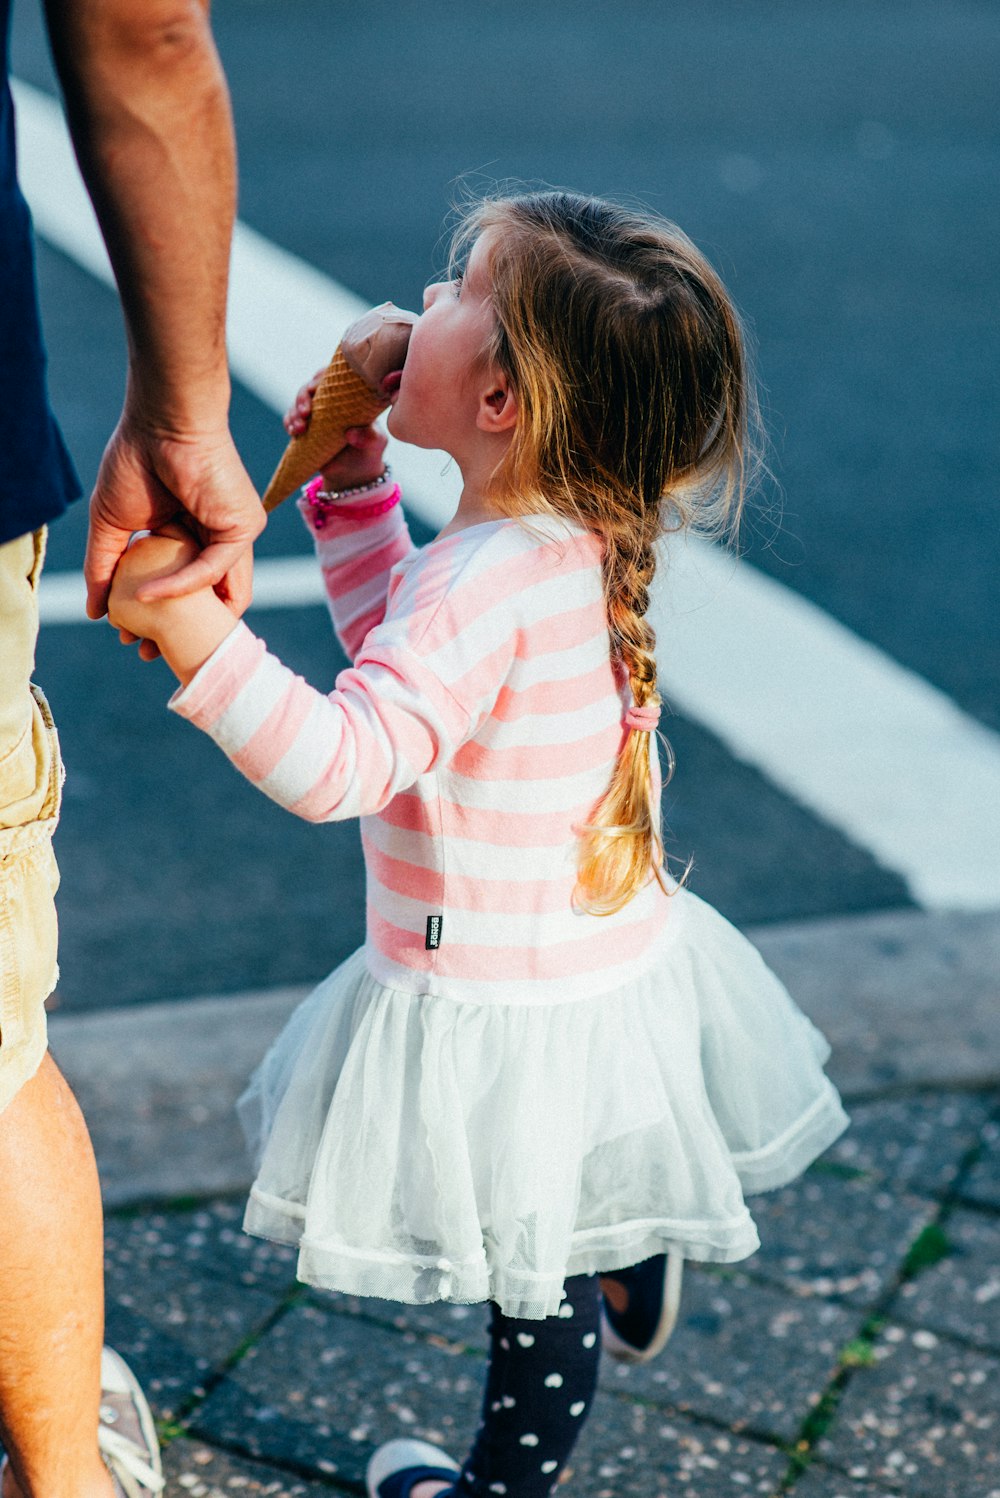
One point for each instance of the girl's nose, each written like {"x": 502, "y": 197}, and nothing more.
{"x": 431, "y": 293}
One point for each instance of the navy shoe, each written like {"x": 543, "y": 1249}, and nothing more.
{"x": 397, "y": 1467}
{"x": 640, "y": 1306}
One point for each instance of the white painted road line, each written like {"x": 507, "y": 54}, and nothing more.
{"x": 278, "y": 583}
{"x": 872, "y": 748}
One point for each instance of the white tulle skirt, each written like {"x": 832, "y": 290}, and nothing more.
{"x": 418, "y": 1149}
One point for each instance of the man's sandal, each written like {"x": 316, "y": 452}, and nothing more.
{"x": 126, "y": 1435}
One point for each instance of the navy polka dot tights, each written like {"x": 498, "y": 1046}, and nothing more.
{"x": 539, "y": 1387}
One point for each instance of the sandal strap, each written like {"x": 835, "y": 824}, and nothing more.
{"x": 128, "y": 1464}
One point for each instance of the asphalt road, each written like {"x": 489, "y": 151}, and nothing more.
{"x": 839, "y": 164}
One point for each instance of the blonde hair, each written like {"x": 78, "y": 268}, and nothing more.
{"x": 635, "y": 414}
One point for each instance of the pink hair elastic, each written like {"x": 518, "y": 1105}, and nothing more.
{"x": 322, "y": 507}
{"x": 643, "y": 719}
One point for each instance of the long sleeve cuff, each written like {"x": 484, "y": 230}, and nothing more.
{"x": 347, "y": 514}
{"x": 212, "y": 690}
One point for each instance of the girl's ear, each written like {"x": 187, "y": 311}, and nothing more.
{"x": 497, "y": 406}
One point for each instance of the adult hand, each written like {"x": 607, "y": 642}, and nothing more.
{"x": 149, "y": 477}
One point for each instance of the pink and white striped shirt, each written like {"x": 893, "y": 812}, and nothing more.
{"x": 475, "y": 731}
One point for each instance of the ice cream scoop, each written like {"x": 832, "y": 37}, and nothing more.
{"x": 353, "y": 390}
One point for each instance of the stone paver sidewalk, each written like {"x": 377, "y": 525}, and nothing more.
{"x": 857, "y": 1355}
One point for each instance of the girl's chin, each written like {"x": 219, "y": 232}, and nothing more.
{"x": 397, "y": 426}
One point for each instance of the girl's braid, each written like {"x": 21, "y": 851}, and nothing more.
{"x": 629, "y": 566}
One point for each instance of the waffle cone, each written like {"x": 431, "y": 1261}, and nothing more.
{"x": 342, "y": 400}
{"x": 348, "y": 395}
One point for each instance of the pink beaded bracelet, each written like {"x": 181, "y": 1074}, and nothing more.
{"x": 323, "y": 509}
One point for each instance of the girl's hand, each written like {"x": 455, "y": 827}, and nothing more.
{"x": 358, "y": 462}
{"x": 148, "y": 557}
{"x": 150, "y": 475}
{"x": 186, "y": 629}
{"x": 296, "y": 418}
{"x": 362, "y": 460}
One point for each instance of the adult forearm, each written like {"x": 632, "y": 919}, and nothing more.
{"x": 149, "y": 112}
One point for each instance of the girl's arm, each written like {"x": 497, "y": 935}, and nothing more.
{"x": 325, "y": 758}
{"x": 423, "y": 683}
{"x": 356, "y": 553}
{"x": 188, "y": 629}
{"x": 355, "y": 548}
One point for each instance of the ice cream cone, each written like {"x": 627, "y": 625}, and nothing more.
{"x": 349, "y": 394}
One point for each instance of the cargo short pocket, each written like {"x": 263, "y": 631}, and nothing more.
{"x": 29, "y": 878}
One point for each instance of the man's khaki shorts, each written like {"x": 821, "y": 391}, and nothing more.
{"x": 30, "y": 783}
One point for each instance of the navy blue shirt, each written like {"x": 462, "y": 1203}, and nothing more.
{"x": 37, "y": 477}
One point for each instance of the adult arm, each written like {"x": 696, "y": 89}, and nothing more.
{"x": 148, "y": 109}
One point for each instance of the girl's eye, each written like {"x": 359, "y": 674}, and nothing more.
{"x": 457, "y": 283}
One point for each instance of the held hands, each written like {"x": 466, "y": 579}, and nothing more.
{"x": 168, "y": 592}
{"x": 150, "y": 477}
{"x": 186, "y": 628}
{"x": 359, "y": 462}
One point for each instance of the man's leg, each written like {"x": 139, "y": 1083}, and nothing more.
{"x": 51, "y": 1240}
{"x": 52, "y": 1295}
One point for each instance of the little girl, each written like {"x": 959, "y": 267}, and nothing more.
{"x": 548, "y": 1062}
